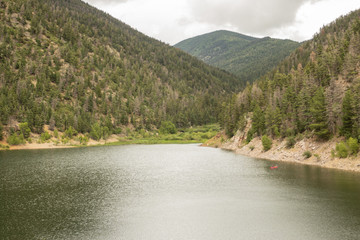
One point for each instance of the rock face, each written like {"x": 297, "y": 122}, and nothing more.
{"x": 321, "y": 151}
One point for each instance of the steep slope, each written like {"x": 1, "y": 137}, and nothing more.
{"x": 69, "y": 65}
{"x": 314, "y": 93}
{"x": 246, "y": 57}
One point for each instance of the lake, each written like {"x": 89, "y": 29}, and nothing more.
{"x": 171, "y": 192}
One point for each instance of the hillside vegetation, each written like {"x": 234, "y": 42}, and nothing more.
{"x": 70, "y": 66}
{"x": 246, "y": 57}
{"x": 313, "y": 93}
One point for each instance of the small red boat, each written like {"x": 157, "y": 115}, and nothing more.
{"x": 274, "y": 167}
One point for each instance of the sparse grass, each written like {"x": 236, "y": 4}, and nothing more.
{"x": 4, "y": 147}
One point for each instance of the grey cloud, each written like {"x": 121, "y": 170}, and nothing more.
{"x": 256, "y": 16}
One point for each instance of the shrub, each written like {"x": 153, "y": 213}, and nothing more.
{"x": 45, "y": 136}
{"x": 167, "y": 127}
{"x": 95, "y": 132}
{"x": 266, "y": 142}
{"x": 307, "y": 154}
{"x": 16, "y": 139}
{"x": 276, "y": 131}
{"x": 342, "y": 150}
{"x": 105, "y": 132}
{"x": 290, "y": 132}
{"x": 353, "y": 145}
{"x": 205, "y": 136}
{"x": 70, "y": 132}
{"x": 25, "y": 130}
{"x": 118, "y": 131}
{"x": 83, "y": 140}
{"x": 56, "y": 133}
{"x": 65, "y": 140}
{"x": 251, "y": 147}
{"x": 290, "y": 142}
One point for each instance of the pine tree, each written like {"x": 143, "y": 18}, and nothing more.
{"x": 348, "y": 115}
{"x": 231, "y": 117}
{"x": 303, "y": 111}
{"x": 258, "y": 121}
{"x": 318, "y": 112}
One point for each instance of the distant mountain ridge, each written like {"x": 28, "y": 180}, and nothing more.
{"x": 245, "y": 56}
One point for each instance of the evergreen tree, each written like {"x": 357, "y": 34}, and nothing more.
{"x": 231, "y": 116}
{"x": 348, "y": 115}
{"x": 303, "y": 111}
{"x": 258, "y": 121}
{"x": 319, "y": 116}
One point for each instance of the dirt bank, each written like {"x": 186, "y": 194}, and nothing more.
{"x": 55, "y": 143}
{"x": 321, "y": 151}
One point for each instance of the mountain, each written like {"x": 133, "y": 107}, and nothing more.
{"x": 246, "y": 57}
{"x": 70, "y": 66}
{"x": 315, "y": 92}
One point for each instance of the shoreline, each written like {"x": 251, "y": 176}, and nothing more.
{"x": 321, "y": 152}
{"x": 92, "y": 143}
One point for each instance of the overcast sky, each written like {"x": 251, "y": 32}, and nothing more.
{"x": 172, "y": 21}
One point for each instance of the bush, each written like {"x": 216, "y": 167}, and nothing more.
{"x": 276, "y": 131}
{"x": 83, "y": 140}
{"x": 290, "y": 142}
{"x": 290, "y": 132}
{"x": 266, "y": 142}
{"x": 117, "y": 131}
{"x": 70, "y": 132}
{"x": 105, "y": 132}
{"x": 45, "y": 136}
{"x": 167, "y": 127}
{"x": 25, "y": 130}
{"x": 341, "y": 150}
{"x": 353, "y": 145}
{"x": 307, "y": 154}
{"x": 95, "y": 132}
{"x": 252, "y": 147}
{"x": 16, "y": 139}
{"x": 56, "y": 133}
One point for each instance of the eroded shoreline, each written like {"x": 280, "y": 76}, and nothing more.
{"x": 321, "y": 152}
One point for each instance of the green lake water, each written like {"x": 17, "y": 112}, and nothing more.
{"x": 171, "y": 192}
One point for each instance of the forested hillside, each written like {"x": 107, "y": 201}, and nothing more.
{"x": 247, "y": 57}
{"x": 314, "y": 92}
{"x": 71, "y": 66}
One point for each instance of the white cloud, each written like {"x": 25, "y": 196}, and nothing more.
{"x": 174, "y": 20}
{"x": 312, "y": 16}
